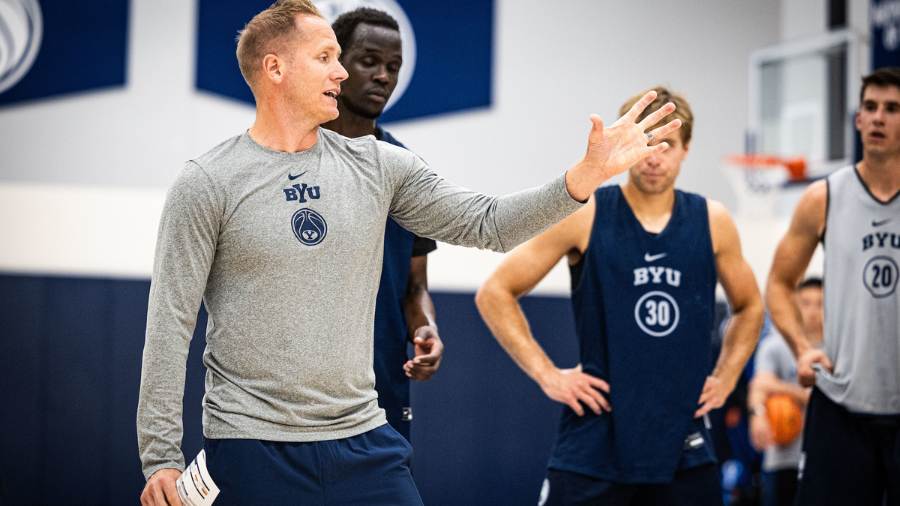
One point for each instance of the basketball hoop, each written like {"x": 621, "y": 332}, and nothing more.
{"x": 763, "y": 183}
{"x": 763, "y": 173}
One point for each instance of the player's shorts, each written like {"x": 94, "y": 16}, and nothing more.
{"x": 371, "y": 468}
{"x": 848, "y": 458}
{"x": 697, "y": 486}
{"x": 779, "y": 488}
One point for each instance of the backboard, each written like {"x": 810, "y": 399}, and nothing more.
{"x": 803, "y": 95}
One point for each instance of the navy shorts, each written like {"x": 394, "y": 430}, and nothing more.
{"x": 371, "y": 468}
{"x": 697, "y": 486}
{"x": 848, "y": 458}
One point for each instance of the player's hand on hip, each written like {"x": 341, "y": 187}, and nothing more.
{"x": 573, "y": 387}
{"x": 806, "y": 374}
{"x": 715, "y": 391}
{"x": 760, "y": 432}
{"x": 612, "y": 150}
{"x": 160, "y": 489}
{"x": 428, "y": 350}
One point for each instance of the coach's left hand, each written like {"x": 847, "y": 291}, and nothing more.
{"x": 715, "y": 391}
{"x": 428, "y": 349}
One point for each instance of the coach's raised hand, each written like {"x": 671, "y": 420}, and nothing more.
{"x": 613, "y": 150}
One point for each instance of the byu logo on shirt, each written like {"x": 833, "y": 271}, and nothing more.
{"x": 309, "y": 226}
{"x": 656, "y": 312}
{"x": 300, "y": 192}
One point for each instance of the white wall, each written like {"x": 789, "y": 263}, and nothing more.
{"x": 553, "y": 67}
{"x": 803, "y": 18}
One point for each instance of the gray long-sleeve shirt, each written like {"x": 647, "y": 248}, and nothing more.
{"x": 285, "y": 250}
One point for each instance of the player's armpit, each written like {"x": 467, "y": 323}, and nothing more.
{"x": 791, "y": 259}
{"x": 525, "y": 266}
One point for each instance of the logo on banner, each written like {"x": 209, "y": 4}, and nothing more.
{"x": 332, "y": 9}
{"x": 886, "y": 17}
{"x": 456, "y": 75}
{"x": 22, "y": 29}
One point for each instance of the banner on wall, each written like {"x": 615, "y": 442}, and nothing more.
{"x": 448, "y": 51}
{"x": 55, "y": 47}
{"x": 152, "y": 67}
{"x": 885, "y": 29}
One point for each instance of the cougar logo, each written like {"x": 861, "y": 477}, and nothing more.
{"x": 309, "y": 226}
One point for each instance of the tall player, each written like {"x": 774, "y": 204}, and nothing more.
{"x": 851, "y": 440}
{"x": 373, "y": 54}
{"x": 644, "y": 258}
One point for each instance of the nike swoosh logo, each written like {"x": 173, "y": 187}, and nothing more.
{"x": 292, "y": 177}
{"x": 652, "y": 258}
{"x": 880, "y": 223}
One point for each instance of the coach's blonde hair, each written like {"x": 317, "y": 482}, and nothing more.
{"x": 663, "y": 96}
{"x": 267, "y": 32}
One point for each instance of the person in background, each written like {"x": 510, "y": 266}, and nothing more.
{"x": 776, "y": 373}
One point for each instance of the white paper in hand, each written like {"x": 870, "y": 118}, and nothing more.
{"x": 195, "y": 486}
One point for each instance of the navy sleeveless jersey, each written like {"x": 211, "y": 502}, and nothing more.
{"x": 391, "y": 333}
{"x": 644, "y": 313}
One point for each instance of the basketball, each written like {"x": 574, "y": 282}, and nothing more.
{"x": 785, "y": 418}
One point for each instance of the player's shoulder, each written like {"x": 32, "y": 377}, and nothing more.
{"x": 716, "y": 208}
{"x": 814, "y": 198}
{"x": 719, "y": 215}
{"x": 809, "y": 213}
{"x": 606, "y": 198}
{"x": 816, "y": 193}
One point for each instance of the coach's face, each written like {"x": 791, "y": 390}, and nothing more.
{"x": 657, "y": 173}
{"x": 878, "y": 120}
{"x": 373, "y": 61}
{"x": 313, "y": 73}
